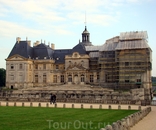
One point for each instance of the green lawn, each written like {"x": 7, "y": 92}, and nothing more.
{"x": 35, "y": 118}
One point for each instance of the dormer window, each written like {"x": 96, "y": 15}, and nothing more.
{"x": 75, "y": 55}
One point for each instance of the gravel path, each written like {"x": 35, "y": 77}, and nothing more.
{"x": 148, "y": 122}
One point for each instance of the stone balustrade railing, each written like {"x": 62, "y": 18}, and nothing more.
{"x": 128, "y": 122}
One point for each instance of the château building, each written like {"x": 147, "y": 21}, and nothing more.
{"x": 122, "y": 62}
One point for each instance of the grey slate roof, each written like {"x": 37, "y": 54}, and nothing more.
{"x": 22, "y": 48}
{"x": 42, "y": 51}
{"x": 59, "y": 55}
{"x": 128, "y": 40}
{"x": 133, "y": 35}
{"x": 94, "y": 54}
{"x": 138, "y": 44}
{"x": 108, "y": 47}
{"x": 93, "y": 48}
{"x": 79, "y": 48}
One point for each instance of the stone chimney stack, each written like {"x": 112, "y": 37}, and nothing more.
{"x": 18, "y": 39}
{"x": 36, "y": 43}
{"x": 53, "y": 46}
{"x": 29, "y": 43}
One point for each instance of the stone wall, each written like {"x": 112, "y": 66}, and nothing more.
{"x": 77, "y": 96}
{"x": 128, "y": 122}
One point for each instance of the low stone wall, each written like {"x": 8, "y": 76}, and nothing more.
{"x": 72, "y": 105}
{"x": 108, "y": 96}
{"x": 128, "y": 122}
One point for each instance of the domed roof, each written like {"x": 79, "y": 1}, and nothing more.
{"x": 85, "y": 31}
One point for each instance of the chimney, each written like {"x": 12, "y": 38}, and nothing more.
{"x": 53, "y": 46}
{"x": 29, "y": 43}
{"x": 36, "y": 43}
{"x": 18, "y": 39}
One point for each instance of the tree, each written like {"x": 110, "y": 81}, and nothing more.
{"x": 2, "y": 77}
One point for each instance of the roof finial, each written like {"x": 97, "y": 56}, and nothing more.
{"x": 85, "y": 20}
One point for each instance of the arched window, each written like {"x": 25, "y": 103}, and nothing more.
{"x": 69, "y": 78}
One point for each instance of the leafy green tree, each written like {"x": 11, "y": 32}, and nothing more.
{"x": 2, "y": 77}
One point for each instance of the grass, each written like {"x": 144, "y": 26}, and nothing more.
{"x": 34, "y": 118}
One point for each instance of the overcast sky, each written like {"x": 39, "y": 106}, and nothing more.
{"x": 62, "y": 21}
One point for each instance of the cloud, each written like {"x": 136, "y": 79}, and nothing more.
{"x": 53, "y": 11}
{"x": 9, "y": 28}
{"x": 40, "y": 17}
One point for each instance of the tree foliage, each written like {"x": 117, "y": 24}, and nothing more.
{"x": 2, "y": 77}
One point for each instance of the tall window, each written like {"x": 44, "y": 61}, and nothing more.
{"x": 57, "y": 67}
{"x": 20, "y": 77}
{"x": 36, "y": 67}
{"x": 138, "y": 80}
{"x": 44, "y": 78}
{"x": 82, "y": 62}
{"x": 36, "y": 78}
{"x": 69, "y": 78}
{"x": 98, "y": 77}
{"x": 44, "y": 66}
{"x": 126, "y": 79}
{"x": 55, "y": 79}
{"x": 91, "y": 78}
{"x": 20, "y": 66}
{"x": 62, "y": 78}
{"x": 82, "y": 78}
{"x": 11, "y": 77}
{"x": 29, "y": 78}
{"x": 29, "y": 66}
{"x": 126, "y": 63}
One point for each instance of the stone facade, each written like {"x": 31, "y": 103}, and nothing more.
{"x": 123, "y": 62}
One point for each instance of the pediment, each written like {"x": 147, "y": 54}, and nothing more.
{"x": 76, "y": 67}
{"x": 16, "y": 58}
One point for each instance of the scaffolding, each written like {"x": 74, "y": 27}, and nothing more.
{"x": 125, "y": 61}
